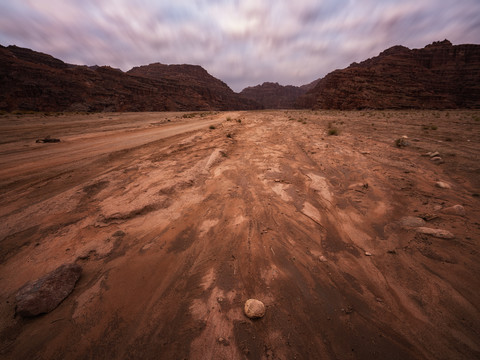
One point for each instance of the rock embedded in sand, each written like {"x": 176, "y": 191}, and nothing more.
{"x": 443, "y": 185}
{"x": 411, "y": 221}
{"x": 439, "y": 233}
{"x": 254, "y": 309}
{"x": 454, "y": 210}
{"x": 46, "y": 293}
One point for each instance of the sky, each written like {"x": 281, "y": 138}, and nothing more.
{"x": 241, "y": 42}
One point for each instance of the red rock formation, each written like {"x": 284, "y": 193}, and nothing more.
{"x": 193, "y": 83}
{"x": 34, "y": 81}
{"x": 438, "y": 76}
{"x": 273, "y": 95}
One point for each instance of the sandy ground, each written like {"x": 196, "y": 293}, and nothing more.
{"x": 176, "y": 225}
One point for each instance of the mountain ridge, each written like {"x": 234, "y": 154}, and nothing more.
{"x": 438, "y": 76}
{"x": 31, "y": 80}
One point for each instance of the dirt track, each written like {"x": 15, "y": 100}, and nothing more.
{"x": 176, "y": 225}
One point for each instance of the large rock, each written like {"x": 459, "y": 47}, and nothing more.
{"x": 46, "y": 293}
{"x": 411, "y": 221}
{"x": 254, "y": 308}
{"x": 439, "y": 233}
{"x": 454, "y": 210}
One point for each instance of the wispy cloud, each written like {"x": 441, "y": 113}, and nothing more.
{"x": 241, "y": 42}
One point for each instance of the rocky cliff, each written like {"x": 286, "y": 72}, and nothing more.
{"x": 438, "y": 76}
{"x": 31, "y": 80}
{"x": 194, "y": 84}
{"x": 273, "y": 95}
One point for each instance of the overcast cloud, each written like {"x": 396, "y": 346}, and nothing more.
{"x": 243, "y": 43}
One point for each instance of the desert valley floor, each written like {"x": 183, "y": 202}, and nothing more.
{"x": 178, "y": 218}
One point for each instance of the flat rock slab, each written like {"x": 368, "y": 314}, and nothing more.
{"x": 411, "y": 221}
{"x": 46, "y": 293}
{"x": 455, "y": 210}
{"x": 439, "y": 233}
{"x": 254, "y": 309}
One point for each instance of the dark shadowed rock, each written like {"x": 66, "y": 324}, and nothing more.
{"x": 273, "y": 95}
{"x": 34, "y": 81}
{"x": 46, "y": 293}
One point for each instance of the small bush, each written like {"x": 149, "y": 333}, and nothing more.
{"x": 229, "y": 136}
{"x": 212, "y": 127}
{"x": 434, "y": 127}
{"x": 229, "y": 118}
{"x": 239, "y": 120}
{"x": 333, "y": 131}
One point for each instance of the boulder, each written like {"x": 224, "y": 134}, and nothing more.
{"x": 454, "y": 210}
{"x": 45, "y": 294}
{"x": 254, "y": 308}
{"x": 411, "y": 221}
{"x": 439, "y": 233}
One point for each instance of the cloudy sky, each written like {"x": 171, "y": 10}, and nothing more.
{"x": 242, "y": 42}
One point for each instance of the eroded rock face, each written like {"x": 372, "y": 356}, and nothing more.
{"x": 273, "y": 95}
{"x": 254, "y": 309}
{"x": 46, "y": 293}
{"x": 193, "y": 84}
{"x": 440, "y": 76}
{"x": 34, "y": 81}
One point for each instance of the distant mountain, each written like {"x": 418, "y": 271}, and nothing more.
{"x": 30, "y": 80}
{"x": 439, "y": 76}
{"x": 193, "y": 82}
{"x": 273, "y": 96}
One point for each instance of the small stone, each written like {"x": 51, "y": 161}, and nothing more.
{"x": 443, "y": 185}
{"x": 434, "y": 154}
{"x": 437, "y": 207}
{"x": 322, "y": 258}
{"x": 455, "y": 210}
{"x": 223, "y": 341}
{"x": 411, "y": 221}
{"x": 401, "y": 142}
{"x": 437, "y": 159}
{"x": 367, "y": 253}
{"x": 46, "y": 293}
{"x": 254, "y": 309}
{"x": 439, "y": 233}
